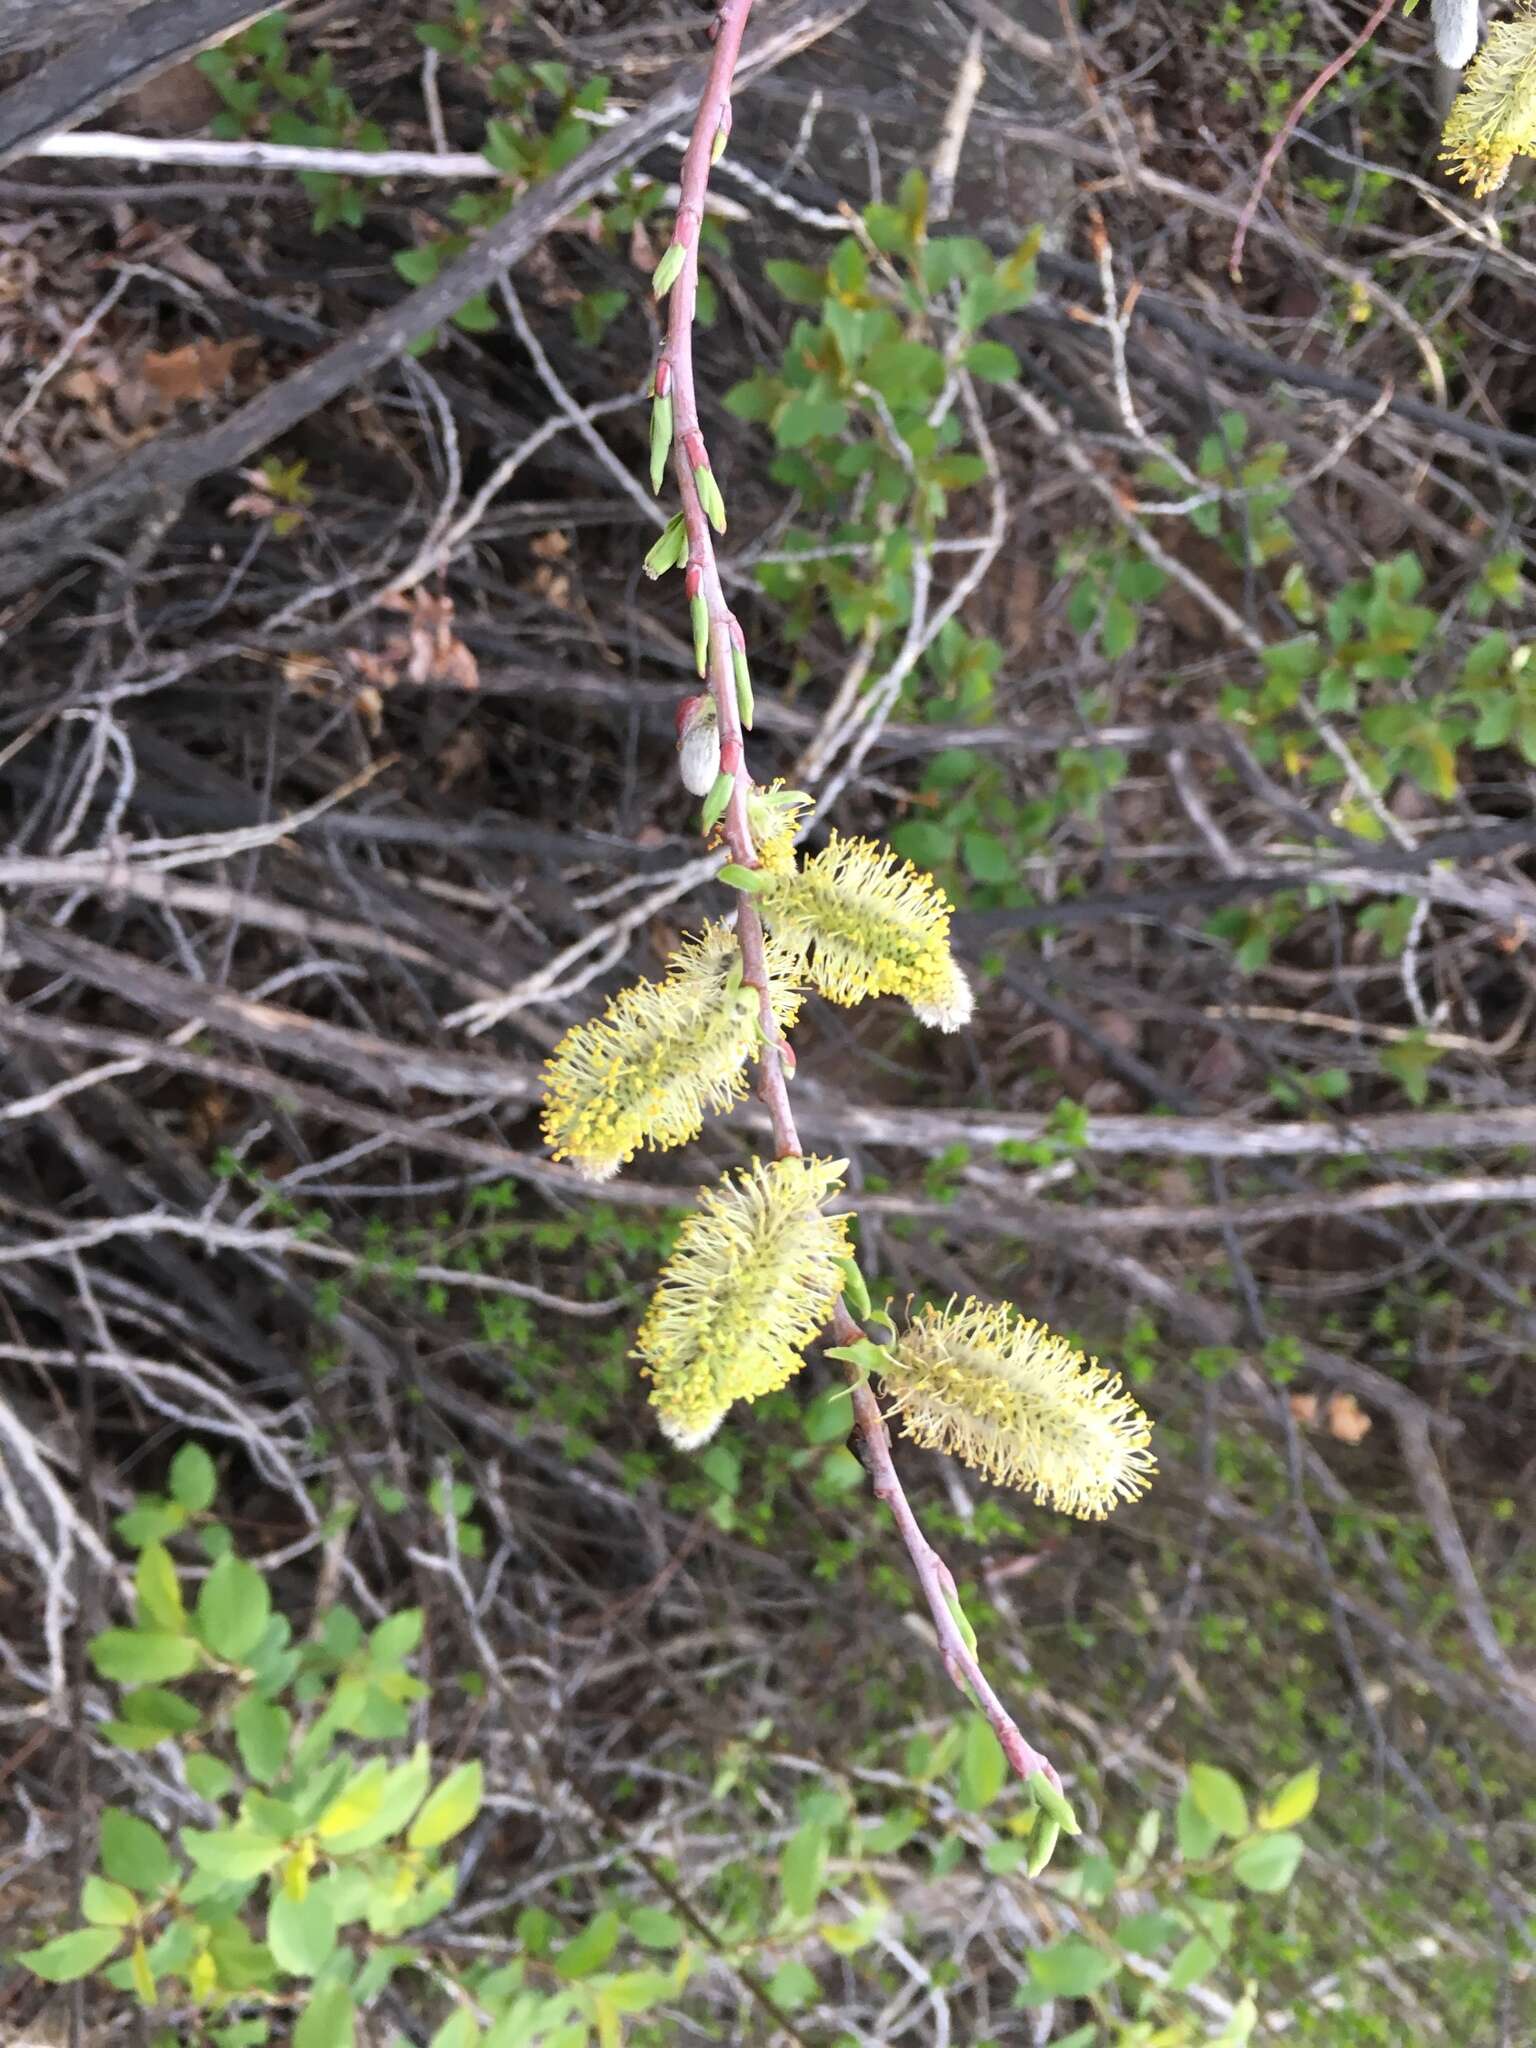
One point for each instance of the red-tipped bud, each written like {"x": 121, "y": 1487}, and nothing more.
{"x": 730, "y": 757}
{"x": 663, "y": 378}
{"x": 738, "y": 638}
{"x": 693, "y": 580}
{"x": 698, "y": 454}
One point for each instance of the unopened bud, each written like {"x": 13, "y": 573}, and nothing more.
{"x": 698, "y": 744}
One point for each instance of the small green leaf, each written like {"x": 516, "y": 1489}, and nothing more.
{"x": 1054, "y": 1804}
{"x": 1293, "y": 1802}
{"x": 993, "y": 361}
{"x": 131, "y": 1656}
{"x": 864, "y": 1355}
{"x": 713, "y": 807}
{"x": 233, "y": 1609}
{"x": 1143, "y": 1934}
{"x": 752, "y": 880}
{"x": 803, "y": 1868}
{"x": 792, "y": 1985}
{"x": 1220, "y": 1798}
{"x": 106, "y": 1904}
{"x": 419, "y": 266}
{"x": 698, "y": 614}
{"x": 158, "y": 1591}
{"x": 984, "y": 1766}
{"x": 450, "y": 1809}
{"x": 209, "y": 1776}
{"x": 133, "y": 1854}
{"x": 796, "y": 282}
{"x": 1269, "y": 1862}
{"x": 855, "y": 1290}
{"x": 1072, "y": 1968}
{"x": 653, "y": 1928}
{"x": 301, "y": 1933}
{"x": 669, "y": 269}
{"x": 661, "y": 440}
{"x": 668, "y": 549}
{"x": 193, "y": 1479}
{"x": 329, "y": 2019}
{"x": 232, "y": 1853}
{"x": 263, "y": 1731}
{"x": 71, "y": 1956}
{"x": 743, "y": 674}
{"x": 1196, "y": 1959}
{"x": 591, "y": 1948}
{"x": 1197, "y": 1836}
{"x": 1046, "y": 1838}
{"x": 709, "y": 497}
{"x": 828, "y": 1419}
{"x": 459, "y": 2030}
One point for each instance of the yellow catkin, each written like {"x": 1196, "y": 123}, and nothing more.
{"x": 752, "y": 1279}
{"x": 860, "y": 922}
{"x": 1021, "y": 1405}
{"x": 662, "y": 1055}
{"x": 776, "y": 817}
{"x": 1493, "y": 118}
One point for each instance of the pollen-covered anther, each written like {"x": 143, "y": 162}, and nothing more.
{"x": 662, "y": 1056}
{"x": 754, "y": 1276}
{"x": 1021, "y": 1405}
{"x": 866, "y": 923}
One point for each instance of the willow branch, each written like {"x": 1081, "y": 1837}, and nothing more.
{"x": 690, "y": 458}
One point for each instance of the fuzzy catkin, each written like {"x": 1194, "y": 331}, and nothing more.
{"x": 1021, "y": 1405}
{"x": 662, "y": 1055}
{"x": 861, "y": 922}
{"x": 752, "y": 1279}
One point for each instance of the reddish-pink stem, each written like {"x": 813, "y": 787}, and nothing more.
{"x": 1288, "y": 129}
{"x": 675, "y": 376}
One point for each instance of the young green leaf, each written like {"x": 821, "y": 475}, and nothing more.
{"x": 301, "y": 1933}
{"x": 1046, "y": 1838}
{"x": 855, "y": 1292}
{"x": 709, "y": 497}
{"x": 1268, "y": 1862}
{"x": 233, "y": 1609}
{"x": 71, "y": 1956}
{"x": 1219, "y": 1798}
{"x": 106, "y": 1904}
{"x": 661, "y": 440}
{"x": 131, "y": 1656}
{"x": 450, "y": 1809}
{"x": 1293, "y": 1802}
{"x": 803, "y": 1868}
{"x": 158, "y": 1591}
{"x": 1054, "y": 1804}
{"x": 743, "y": 675}
{"x": 263, "y": 1731}
{"x": 983, "y": 1767}
{"x": 329, "y": 2020}
{"x": 591, "y": 1948}
{"x": 713, "y": 807}
{"x": 193, "y": 1479}
{"x": 668, "y": 549}
{"x": 133, "y": 1854}
{"x": 698, "y": 613}
{"x": 734, "y": 876}
{"x": 669, "y": 269}
{"x": 1072, "y": 1968}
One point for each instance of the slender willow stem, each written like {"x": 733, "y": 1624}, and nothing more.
{"x": 675, "y": 378}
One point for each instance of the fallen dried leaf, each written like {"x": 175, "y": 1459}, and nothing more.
{"x": 200, "y": 370}
{"x": 1347, "y": 1420}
